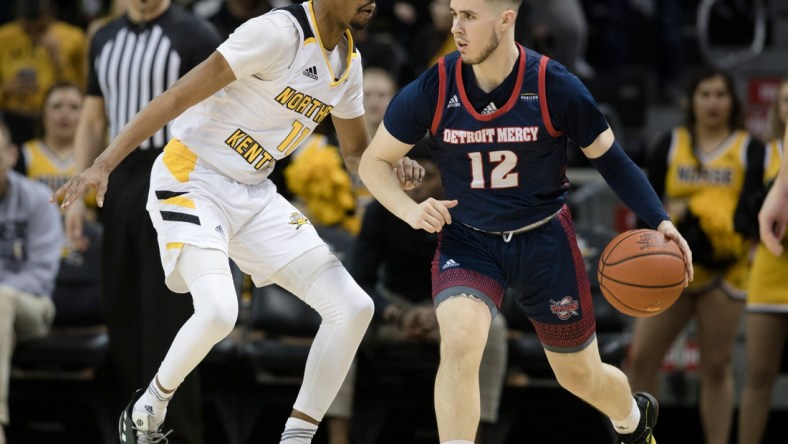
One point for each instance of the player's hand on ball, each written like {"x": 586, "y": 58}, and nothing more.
{"x": 669, "y": 230}
{"x": 409, "y": 172}
{"x": 431, "y": 215}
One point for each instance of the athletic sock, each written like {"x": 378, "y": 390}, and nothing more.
{"x": 298, "y": 431}
{"x": 630, "y": 423}
{"x": 154, "y": 402}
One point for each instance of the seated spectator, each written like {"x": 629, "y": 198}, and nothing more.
{"x": 50, "y": 159}
{"x": 389, "y": 247}
{"x": 31, "y": 240}
{"x": 379, "y": 87}
{"x": 36, "y": 51}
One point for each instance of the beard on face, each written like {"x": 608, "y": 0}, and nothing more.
{"x": 492, "y": 44}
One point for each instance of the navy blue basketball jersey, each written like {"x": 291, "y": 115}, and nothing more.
{"x": 505, "y": 164}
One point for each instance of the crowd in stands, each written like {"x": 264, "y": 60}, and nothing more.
{"x": 45, "y": 58}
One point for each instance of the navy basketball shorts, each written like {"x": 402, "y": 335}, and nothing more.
{"x": 543, "y": 268}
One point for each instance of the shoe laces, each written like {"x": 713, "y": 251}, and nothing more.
{"x": 144, "y": 437}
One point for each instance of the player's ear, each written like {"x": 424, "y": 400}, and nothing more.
{"x": 508, "y": 17}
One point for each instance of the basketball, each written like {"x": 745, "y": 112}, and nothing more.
{"x": 641, "y": 272}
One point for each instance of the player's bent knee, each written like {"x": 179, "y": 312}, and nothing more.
{"x": 339, "y": 299}
{"x": 220, "y": 318}
{"x": 576, "y": 378}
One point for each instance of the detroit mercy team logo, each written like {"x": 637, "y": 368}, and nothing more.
{"x": 565, "y": 308}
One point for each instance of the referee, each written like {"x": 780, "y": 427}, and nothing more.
{"x": 133, "y": 59}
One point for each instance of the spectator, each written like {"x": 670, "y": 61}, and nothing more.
{"x": 699, "y": 170}
{"x": 767, "y": 300}
{"x": 30, "y": 248}
{"x": 143, "y": 315}
{"x": 565, "y": 22}
{"x": 36, "y": 51}
{"x": 434, "y": 40}
{"x": 50, "y": 159}
{"x": 402, "y": 293}
{"x": 379, "y": 87}
{"x": 233, "y": 13}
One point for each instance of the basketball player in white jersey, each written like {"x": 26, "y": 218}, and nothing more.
{"x": 251, "y": 103}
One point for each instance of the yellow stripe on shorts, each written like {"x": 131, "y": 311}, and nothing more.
{"x": 179, "y": 160}
{"x": 180, "y": 201}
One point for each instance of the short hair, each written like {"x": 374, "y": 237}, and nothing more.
{"x": 512, "y": 4}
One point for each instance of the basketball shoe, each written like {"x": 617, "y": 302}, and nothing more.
{"x": 137, "y": 427}
{"x": 644, "y": 433}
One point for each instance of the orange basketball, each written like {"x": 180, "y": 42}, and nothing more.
{"x": 641, "y": 272}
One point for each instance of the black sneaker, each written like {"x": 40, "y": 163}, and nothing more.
{"x": 137, "y": 427}
{"x": 644, "y": 433}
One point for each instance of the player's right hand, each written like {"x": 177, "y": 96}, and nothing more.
{"x": 669, "y": 230}
{"x": 431, "y": 215}
{"x": 94, "y": 177}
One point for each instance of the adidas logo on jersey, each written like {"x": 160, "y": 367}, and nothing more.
{"x": 449, "y": 264}
{"x": 489, "y": 109}
{"x": 453, "y": 102}
{"x": 311, "y": 72}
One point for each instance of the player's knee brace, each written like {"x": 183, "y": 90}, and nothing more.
{"x": 319, "y": 278}
{"x": 207, "y": 273}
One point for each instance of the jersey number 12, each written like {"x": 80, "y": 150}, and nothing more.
{"x": 501, "y": 176}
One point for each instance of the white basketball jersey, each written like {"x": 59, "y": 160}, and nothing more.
{"x": 270, "y": 109}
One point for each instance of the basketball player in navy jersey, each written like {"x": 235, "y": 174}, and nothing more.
{"x": 498, "y": 117}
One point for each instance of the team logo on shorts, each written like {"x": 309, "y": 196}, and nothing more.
{"x": 565, "y": 308}
{"x": 298, "y": 219}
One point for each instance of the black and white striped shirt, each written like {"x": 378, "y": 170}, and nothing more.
{"x": 132, "y": 63}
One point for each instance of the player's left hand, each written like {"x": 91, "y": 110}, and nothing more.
{"x": 409, "y": 173}
{"x": 669, "y": 230}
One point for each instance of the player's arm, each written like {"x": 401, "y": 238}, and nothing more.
{"x": 633, "y": 188}
{"x": 89, "y": 139}
{"x": 353, "y": 139}
{"x": 773, "y": 217}
{"x": 198, "y": 84}
{"x": 377, "y": 171}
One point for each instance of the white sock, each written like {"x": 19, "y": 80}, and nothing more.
{"x": 154, "y": 403}
{"x": 298, "y": 431}
{"x": 457, "y": 441}
{"x": 630, "y": 423}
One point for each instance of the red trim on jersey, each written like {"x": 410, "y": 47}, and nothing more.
{"x": 543, "y": 99}
{"x": 509, "y": 104}
{"x": 436, "y": 118}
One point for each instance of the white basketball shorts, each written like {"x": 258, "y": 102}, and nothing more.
{"x": 190, "y": 203}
